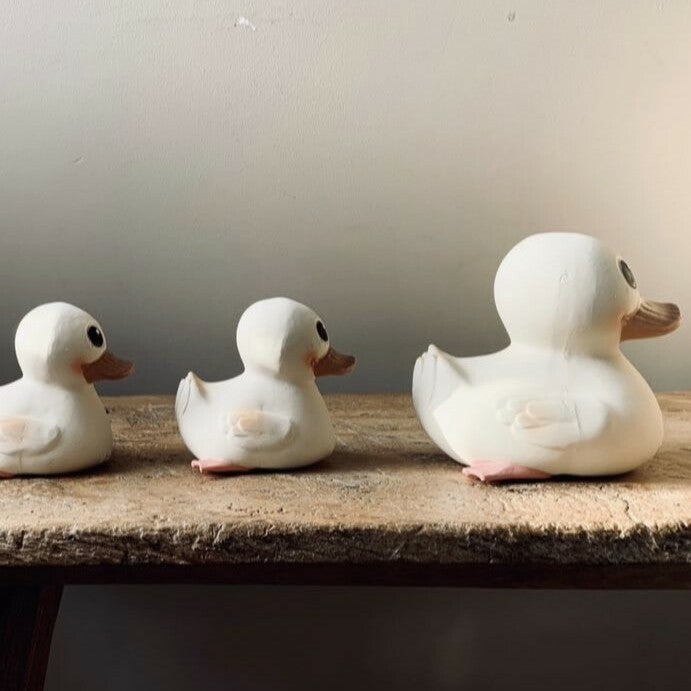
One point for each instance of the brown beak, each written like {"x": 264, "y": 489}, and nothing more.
{"x": 651, "y": 319}
{"x": 333, "y": 363}
{"x": 108, "y": 366}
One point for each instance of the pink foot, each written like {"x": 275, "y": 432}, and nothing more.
{"x": 499, "y": 471}
{"x": 212, "y": 465}
{"x": 5, "y": 476}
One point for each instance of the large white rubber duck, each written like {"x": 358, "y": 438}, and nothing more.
{"x": 272, "y": 415}
{"x": 52, "y": 420}
{"x": 562, "y": 398}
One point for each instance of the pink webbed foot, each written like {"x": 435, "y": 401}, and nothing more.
{"x": 499, "y": 471}
{"x": 213, "y": 465}
{"x": 5, "y": 476}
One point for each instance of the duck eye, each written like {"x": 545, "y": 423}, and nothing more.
{"x": 95, "y": 336}
{"x": 321, "y": 330}
{"x": 627, "y": 273}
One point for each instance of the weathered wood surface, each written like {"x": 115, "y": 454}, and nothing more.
{"x": 385, "y": 496}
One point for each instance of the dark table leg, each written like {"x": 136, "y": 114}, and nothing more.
{"x": 27, "y": 617}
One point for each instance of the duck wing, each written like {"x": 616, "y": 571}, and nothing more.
{"x": 20, "y": 435}
{"x": 254, "y": 429}
{"x": 554, "y": 422}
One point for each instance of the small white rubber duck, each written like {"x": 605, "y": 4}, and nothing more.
{"x": 52, "y": 420}
{"x": 562, "y": 398}
{"x": 272, "y": 415}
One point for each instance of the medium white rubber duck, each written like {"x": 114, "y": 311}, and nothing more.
{"x": 52, "y": 420}
{"x": 562, "y": 398}
{"x": 272, "y": 415}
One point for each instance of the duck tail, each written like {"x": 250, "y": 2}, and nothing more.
{"x": 435, "y": 377}
{"x": 190, "y": 387}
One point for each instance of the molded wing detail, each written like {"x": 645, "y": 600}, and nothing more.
{"x": 259, "y": 430}
{"x": 21, "y": 435}
{"x": 554, "y": 422}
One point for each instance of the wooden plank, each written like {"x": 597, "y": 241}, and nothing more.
{"x": 386, "y": 497}
{"x": 27, "y": 617}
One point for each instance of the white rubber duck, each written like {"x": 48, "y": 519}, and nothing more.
{"x": 272, "y": 415}
{"x": 52, "y": 420}
{"x": 562, "y": 398}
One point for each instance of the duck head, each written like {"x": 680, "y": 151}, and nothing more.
{"x": 570, "y": 292}
{"x": 287, "y": 339}
{"x": 58, "y": 342}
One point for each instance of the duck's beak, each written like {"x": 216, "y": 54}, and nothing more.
{"x": 651, "y": 319}
{"x": 333, "y": 363}
{"x": 108, "y": 366}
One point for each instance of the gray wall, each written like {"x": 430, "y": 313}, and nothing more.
{"x": 165, "y": 164}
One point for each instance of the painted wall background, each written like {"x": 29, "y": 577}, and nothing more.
{"x": 163, "y": 164}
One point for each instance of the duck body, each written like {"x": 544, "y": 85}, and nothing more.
{"x": 561, "y": 398}
{"x": 555, "y": 414}
{"x": 52, "y": 420}
{"x": 272, "y": 416}
{"x": 295, "y": 431}
{"x": 56, "y": 430}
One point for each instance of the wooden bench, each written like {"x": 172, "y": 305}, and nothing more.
{"x": 387, "y": 508}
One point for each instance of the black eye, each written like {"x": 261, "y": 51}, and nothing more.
{"x": 322, "y": 332}
{"x": 95, "y": 336}
{"x": 628, "y": 274}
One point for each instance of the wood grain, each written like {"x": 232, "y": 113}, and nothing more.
{"x": 386, "y": 496}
